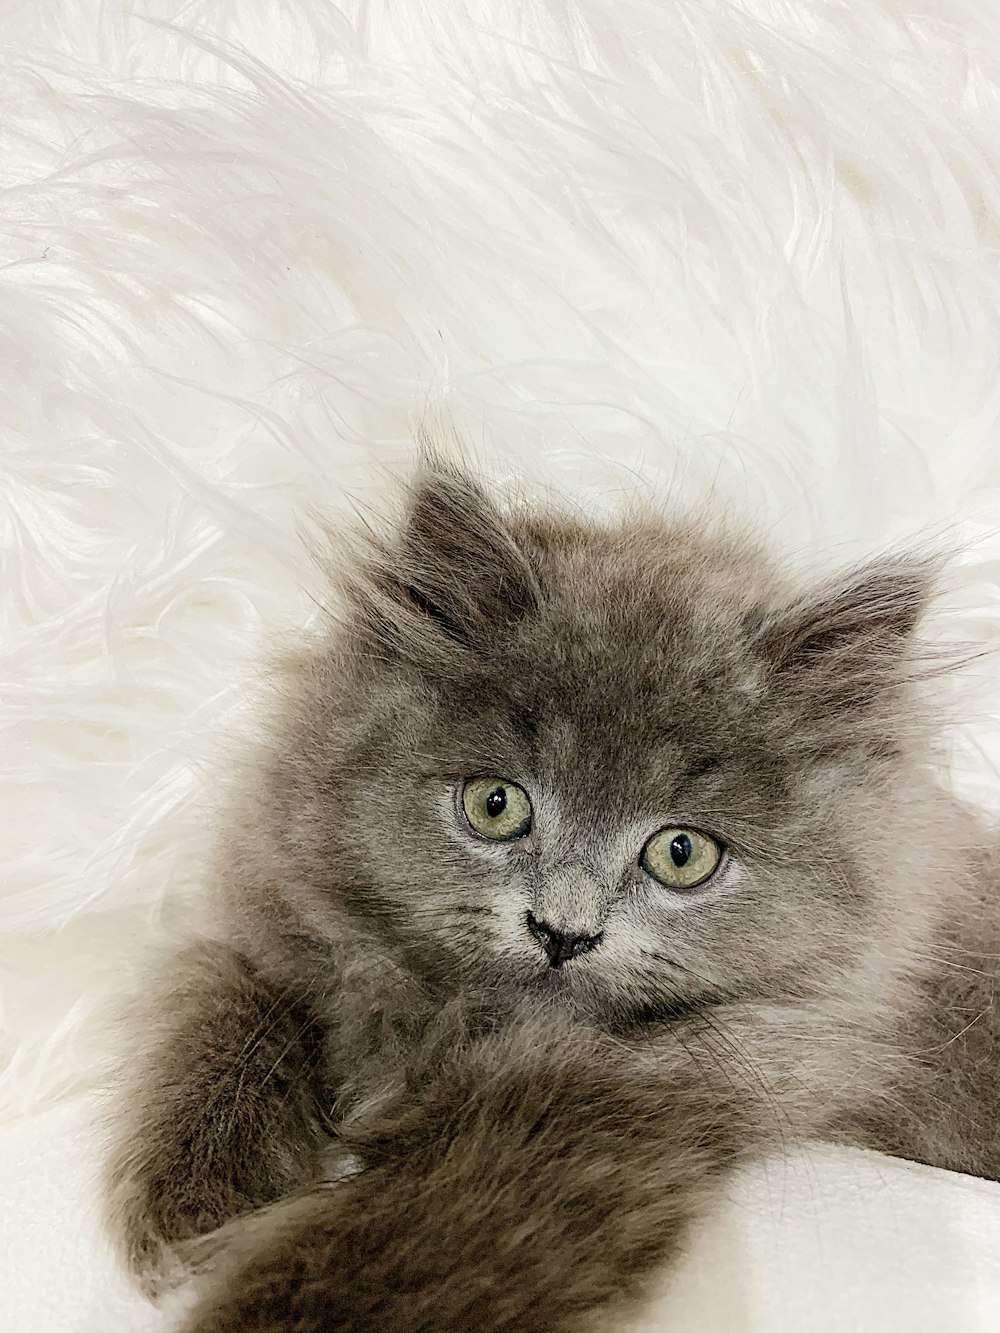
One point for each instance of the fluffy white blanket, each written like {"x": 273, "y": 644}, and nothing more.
{"x": 746, "y": 251}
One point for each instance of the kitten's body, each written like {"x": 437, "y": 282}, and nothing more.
{"x": 535, "y": 1138}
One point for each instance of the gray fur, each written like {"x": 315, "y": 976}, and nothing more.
{"x": 534, "y": 1140}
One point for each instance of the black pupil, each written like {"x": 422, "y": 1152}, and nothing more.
{"x": 680, "y": 849}
{"x": 496, "y": 803}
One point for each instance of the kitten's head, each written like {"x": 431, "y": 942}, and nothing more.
{"x": 621, "y": 766}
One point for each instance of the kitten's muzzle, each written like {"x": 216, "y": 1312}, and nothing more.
{"x": 561, "y": 945}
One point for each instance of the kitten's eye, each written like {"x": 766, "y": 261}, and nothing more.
{"x": 681, "y": 858}
{"x": 496, "y": 808}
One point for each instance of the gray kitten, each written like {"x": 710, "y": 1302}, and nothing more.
{"x": 582, "y": 864}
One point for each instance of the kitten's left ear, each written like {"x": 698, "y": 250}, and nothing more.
{"x": 851, "y": 637}
{"x": 456, "y": 571}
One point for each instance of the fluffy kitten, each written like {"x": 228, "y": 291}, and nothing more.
{"x": 582, "y": 863}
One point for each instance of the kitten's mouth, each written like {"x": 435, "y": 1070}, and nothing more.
{"x": 572, "y": 984}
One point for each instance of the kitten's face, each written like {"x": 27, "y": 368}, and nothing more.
{"x": 530, "y": 704}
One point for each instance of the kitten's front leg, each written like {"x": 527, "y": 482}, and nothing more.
{"x": 218, "y": 1112}
{"x": 537, "y": 1175}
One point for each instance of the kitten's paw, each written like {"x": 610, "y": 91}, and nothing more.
{"x": 206, "y": 1254}
{"x": 157, "y": 1266}
{"x": 148, "y": 1244}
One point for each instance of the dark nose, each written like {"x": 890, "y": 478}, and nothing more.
{"x": 559, "y": 945}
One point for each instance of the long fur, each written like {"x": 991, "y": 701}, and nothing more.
{"x": 738, "y": 252}
{"x": 741, "y": 253}
{"x": 526, "y": 1139}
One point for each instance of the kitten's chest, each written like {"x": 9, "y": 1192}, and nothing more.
{"x": 372, "y": 1025}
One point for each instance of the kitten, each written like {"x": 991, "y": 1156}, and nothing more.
{"x": 582, "y": 864}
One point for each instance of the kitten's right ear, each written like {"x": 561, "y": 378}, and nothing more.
{"x": 455, "y": 572}
{"x": 850, "y": 640}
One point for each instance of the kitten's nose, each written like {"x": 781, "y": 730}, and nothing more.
{"x": 560, "y": 945}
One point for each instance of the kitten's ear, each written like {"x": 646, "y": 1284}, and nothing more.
{"x": 852, "y": 637}
{"x": 456, "y": 567}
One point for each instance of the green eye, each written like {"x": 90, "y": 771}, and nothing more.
{"x": 496, "y": 808}
{"x": 681, "y": 858}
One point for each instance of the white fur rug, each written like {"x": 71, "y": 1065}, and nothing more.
{"x": 742, "y": 250}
